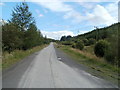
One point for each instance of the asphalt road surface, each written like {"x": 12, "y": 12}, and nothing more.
{"x": 44, "y": 69}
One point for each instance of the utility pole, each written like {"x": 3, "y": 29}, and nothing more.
{"x": 96, "y": 32}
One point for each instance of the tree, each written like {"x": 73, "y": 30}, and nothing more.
{"x": 101, "y": 47}
{"x": 11, "y": 37}
{"x": 63, "y": 38}
{"x": 91, "y": 41}
{"x": 80, "y": 45}
{"x": 33, "y": 37}
{"x": 68, "y": 37}
{"x": 21, "y": 32}
{"x": 21, "y": 17}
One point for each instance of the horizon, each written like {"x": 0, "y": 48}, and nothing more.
{"x": 68, "y": 18}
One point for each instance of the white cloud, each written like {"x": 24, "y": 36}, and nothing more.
{"x": 58, "y": 26}
{"x": 87, "y": 5}
{"x": 95, "y": 14}
{"x": 57, "y": 34}
{"x": 69, "y": 0}
{"x": 1, "y": 4}
{"x": 83, "y": 31}
{"x": 112, "y": 9}
{"x": 100, "y": 16}
{"x": 55, "y": 5}
{"x": 59, "y": 6}
{"x": 39, "y": 14}
{"x": 74, "y": 15}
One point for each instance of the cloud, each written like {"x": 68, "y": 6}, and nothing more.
{"x": 112, "y": 8}
{"x": 83, "y": 31}
{"x": 72, "y": 0}
{"x": 2, "y": 4}
{"x": 100, "y": 16}
{"x": 55, "y": 5}
{"x": 87, "y": 5}
{"x": 39, "y": 14}
{"x": 63, "y": 26}
{"x": 95, "y": 14}
{"x": 57, "y": 34}
{"x": 74, "y": 15}
{"x": 59, "y": 6}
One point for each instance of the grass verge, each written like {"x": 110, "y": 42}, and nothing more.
{"x": 98, "y": 66}
{"x": 17, "y": 55}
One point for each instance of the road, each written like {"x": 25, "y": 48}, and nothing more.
{"x": 44, "y": 69}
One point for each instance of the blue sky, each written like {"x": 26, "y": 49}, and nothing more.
{"x": 58, "y": 18}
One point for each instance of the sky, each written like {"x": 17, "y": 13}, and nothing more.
{"x": 58, "y": 18}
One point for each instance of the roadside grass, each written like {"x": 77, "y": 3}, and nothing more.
{"x": 17, "y": 55}
{"x": 98, "y": 66}
{"x": 89, "y": 49}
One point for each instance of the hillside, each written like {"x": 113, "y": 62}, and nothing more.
{"x": 97, "y": 49}
{"x": 107, "y": 34}
{"x": 101, "y": 33}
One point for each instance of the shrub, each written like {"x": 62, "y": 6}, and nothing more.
{"x": 85, "y": 41}
{"x": 67, "y": 43}
{"x": 109, "y": 56}
{"x": 91, "y": 41}
{"x": 80, "y": 45}
{"x": 88, "y": 42}
{"x": 73, "y": 45}
{"x": 101, "y": 47}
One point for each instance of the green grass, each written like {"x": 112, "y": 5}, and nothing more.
{"x": 98, "y": 66}
{"x": 17, "y": 55}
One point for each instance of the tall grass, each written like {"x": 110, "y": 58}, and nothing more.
{"x": 17, "y": 55}
{"x": 99, "y": 65}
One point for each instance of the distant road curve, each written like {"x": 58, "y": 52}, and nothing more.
{"x": 44, "y": 70}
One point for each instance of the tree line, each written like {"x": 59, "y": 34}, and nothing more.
{"x": 21, "y": 31}
{"x": 105, "y": 41}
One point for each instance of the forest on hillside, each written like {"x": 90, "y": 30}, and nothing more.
{"x": 105, "y": 41}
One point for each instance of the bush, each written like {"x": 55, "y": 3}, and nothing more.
{"x": 67, "y": 43}
{"x": 101, "y": 47}
{"x": 91, "y": 41}
{"x": 85, "y": 41}
{"x": 80, "y": 45}
{"x": 109, "y": 56}
{"x": 88, "y": 42}
{"x": 73, "y": 45}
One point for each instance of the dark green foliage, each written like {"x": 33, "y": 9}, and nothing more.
{"x": 101, "y": 47}
{"x": 88, "y": 42}
{"x": 85, "y": 41}
{"x": 22, "y": 17}
{"x": 110, "y": 56}
{"x": 91, "y": 41}
{"x": 21, "y": 31}
{"x": 118, "y": 43}
{"x": 65, "y": 38}
{"x": 67, "y": 43}
{"x": 32, "y": 37}
{"x": 80, "y": 45}
{"x": 73, "y": 45}
{"x": 68, "y": 37}
{"x": 11, "y": 37}
{"x": 110, "y": 34}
